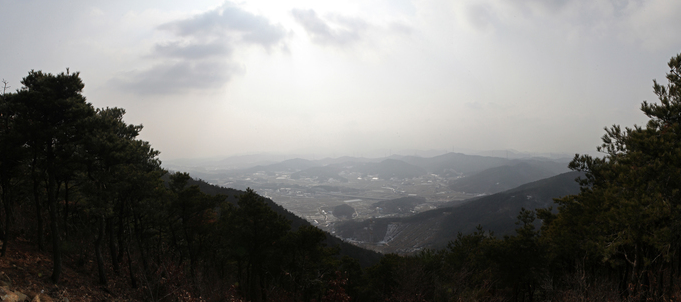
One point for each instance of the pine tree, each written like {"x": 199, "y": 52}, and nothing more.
{"x": 52, "y": 115}
{"x": 628, "y": 213}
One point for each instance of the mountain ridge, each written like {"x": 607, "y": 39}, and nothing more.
{"x": 434, "y": 228}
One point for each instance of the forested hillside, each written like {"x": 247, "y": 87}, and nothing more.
{"x": 364, "y": 257}
{"x": 499, "y": 179}
{"x": 435, "y": 228}
{"x": 77, "y": 182}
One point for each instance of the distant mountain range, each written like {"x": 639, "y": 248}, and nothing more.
{"x": 289, "y": 165}
{"x": 388, "y": 168}
{"x": 450, "y": 165}
{"x": 261, "y": 159}
{"x": 385, "y": 169}
{"x": 434, "y": 228}
{"x": 330, "y": 168}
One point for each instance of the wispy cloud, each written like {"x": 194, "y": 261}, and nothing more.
{"x": 200, "y": 57}
{"x": 193, "y": 50}
{"x": 334, "y": 30}
{"x": 232, "y": 21}
{"x": 180, "y": 76}
{"x": 643, "y": 23}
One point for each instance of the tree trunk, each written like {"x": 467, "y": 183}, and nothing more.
{"x": 635, "y": 272}
{"x": 250, "y": 284}
{"x": 660, "y": 282}
{"x": 6, "y": 200}
{"x": 263, "y": 287}
{"x": 175, "y": 243}
{"x": 39, "y": 214}
{"x": 98, "y": 251}
{"x": 190, "y": 243}
{"x": 672, "y": 274}
{"x": 66, "y": 209}
{"x": 121, "y": 228}
{"x": 133, "y": 280}
{"x": 54, "y": 226}
{"x": 38, "y": 205}
{"x": 112, "y": 245}
{"x": 138, "y": 232}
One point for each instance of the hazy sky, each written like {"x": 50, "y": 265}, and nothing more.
{"x": 211, "y": 78}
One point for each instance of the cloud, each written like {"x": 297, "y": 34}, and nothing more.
{"x": 542, "y": 6}
{"x": 179, "y": 77}
{"x": 337, "y": 31}
{"x": 193, "y": 50}
{"x": 200, "y": 54}
{"x": 229, "y": 20}
{"x": 480, "y": 15}
{"x": 643, "y": 23}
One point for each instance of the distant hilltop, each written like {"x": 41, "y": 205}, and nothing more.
{"x": 245, "y": 161}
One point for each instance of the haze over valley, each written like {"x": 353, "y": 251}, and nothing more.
{"x": 331, "y": 192}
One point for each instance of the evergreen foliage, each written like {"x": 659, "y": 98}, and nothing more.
{"x": 104, "y": 189}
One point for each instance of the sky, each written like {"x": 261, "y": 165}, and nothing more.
{"x": 209, "y": 78}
